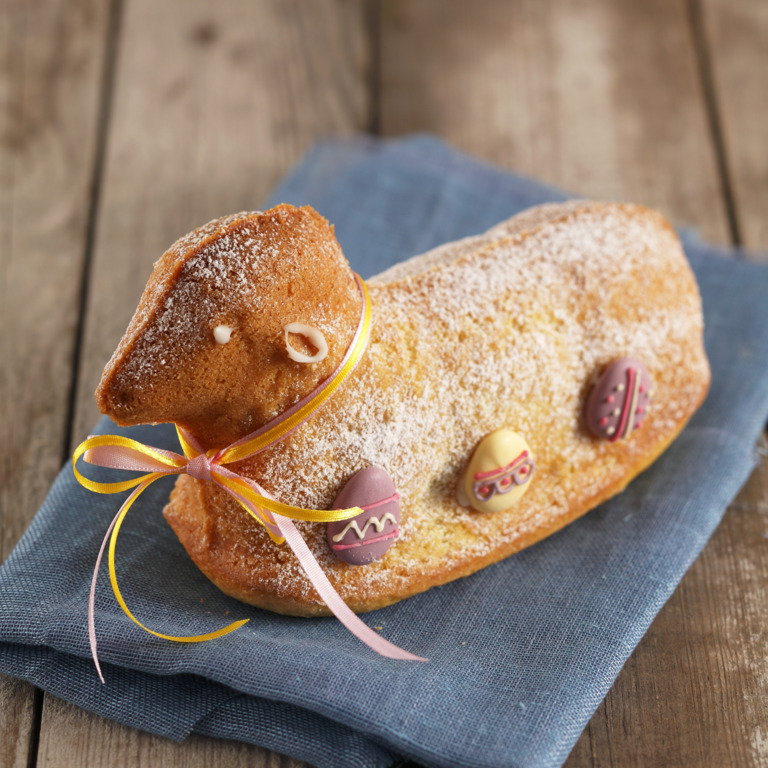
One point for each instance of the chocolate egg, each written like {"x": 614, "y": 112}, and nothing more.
{"x": 617, "y": 404}
{"x": 499, "y": 472}
{"x": 366, "y": 537}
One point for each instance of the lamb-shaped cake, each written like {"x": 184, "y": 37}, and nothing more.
{"x": 511, "y": 382}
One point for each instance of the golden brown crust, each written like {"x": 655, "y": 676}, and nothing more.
{"x": 213, "y": 276}
{"x": 511, "y": 328}
{"x": 190, "y": 514}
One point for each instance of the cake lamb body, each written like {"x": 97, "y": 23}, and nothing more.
{"x": 511, "y": 330}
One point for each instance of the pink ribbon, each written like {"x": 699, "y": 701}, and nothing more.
{"x": 210, "y": 469}
{"x": 203, "y": 468}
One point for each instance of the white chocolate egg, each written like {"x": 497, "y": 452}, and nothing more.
{"x": 222, "y": 334}
{"x": 499, "y": 472}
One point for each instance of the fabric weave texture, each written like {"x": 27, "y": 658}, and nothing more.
{"x": 521, "y": 653}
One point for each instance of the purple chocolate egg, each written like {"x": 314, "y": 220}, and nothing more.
{"x": 366, "y": 537}
{"x": 617, "y": 404}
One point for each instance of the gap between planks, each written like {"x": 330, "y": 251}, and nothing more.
{"x": 102, "y": 129}
{"x": 702, "y": 48}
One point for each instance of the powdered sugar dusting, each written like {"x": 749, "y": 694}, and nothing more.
{"x": 165, "y": 267}
{"x": 507, "y": 329}
{"x": 216, "y": 282}
{"x": 241, "y": 273}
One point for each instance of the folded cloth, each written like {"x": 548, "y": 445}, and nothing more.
{"x": 520, "y": 654}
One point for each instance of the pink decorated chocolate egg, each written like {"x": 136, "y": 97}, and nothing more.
{"x": 617, "y": 404}
{"x": 366, "y": 537}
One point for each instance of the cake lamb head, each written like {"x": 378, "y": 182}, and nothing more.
{"x": 462, "y": 434}
{"x": 226, "y": 335}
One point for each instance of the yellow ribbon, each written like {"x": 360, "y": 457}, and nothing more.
{"x": 118, "y": 595}
{"x": 247, "y": 447}
{"x": 173, "y": 464}
{"x": 126, "y": 453}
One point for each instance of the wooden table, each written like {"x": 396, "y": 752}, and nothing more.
{"x": 124, "y": 124}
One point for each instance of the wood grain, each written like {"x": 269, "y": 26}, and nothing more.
{"x": 608, "y": 99}
{"x": 84, "y": 739}
{"x": 51, "y": 78}
{"x": 710, "y": 640}
{"x": 212, "y": 105}
{"x": 596, "y": 96}
{"x": 51, "y": 58}
{"x": 736, "y": 35}
{"x": 18, "y": 716}
{"x": 703, "y": 660}
{"x": 211, "y": 109}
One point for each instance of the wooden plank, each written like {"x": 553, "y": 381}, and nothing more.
{"x": 83, "y": 739}
{"x": 718, "y": 612}
{"x": 213, "y": 103}
{"x": 18, "y": 715}
{"x": 607, "y": 99}
{"x": 695, "y": 691}
{"x": 599, "y": 97}
{"x": 51, "y": 58}
{"x": 717, "y": 615}
{"x": 212, "y": 108}
{"x": 736, "y": 35}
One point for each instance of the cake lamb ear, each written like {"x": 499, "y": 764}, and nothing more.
{"x": 206, "y": 348}
{"x": 315, "y": 338}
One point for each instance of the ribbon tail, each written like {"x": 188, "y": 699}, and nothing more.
{"x": 111, "y": 537}
{"x": 332, "y": 598}
{"x": 92, "y": 596}
{"x": 264, "y": 507}
{"x": 258, "y": 514}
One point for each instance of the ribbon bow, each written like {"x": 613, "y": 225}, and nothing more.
{"x": 118, "y": 452}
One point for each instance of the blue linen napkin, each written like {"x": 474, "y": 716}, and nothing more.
{"x": 520, "y": 654}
